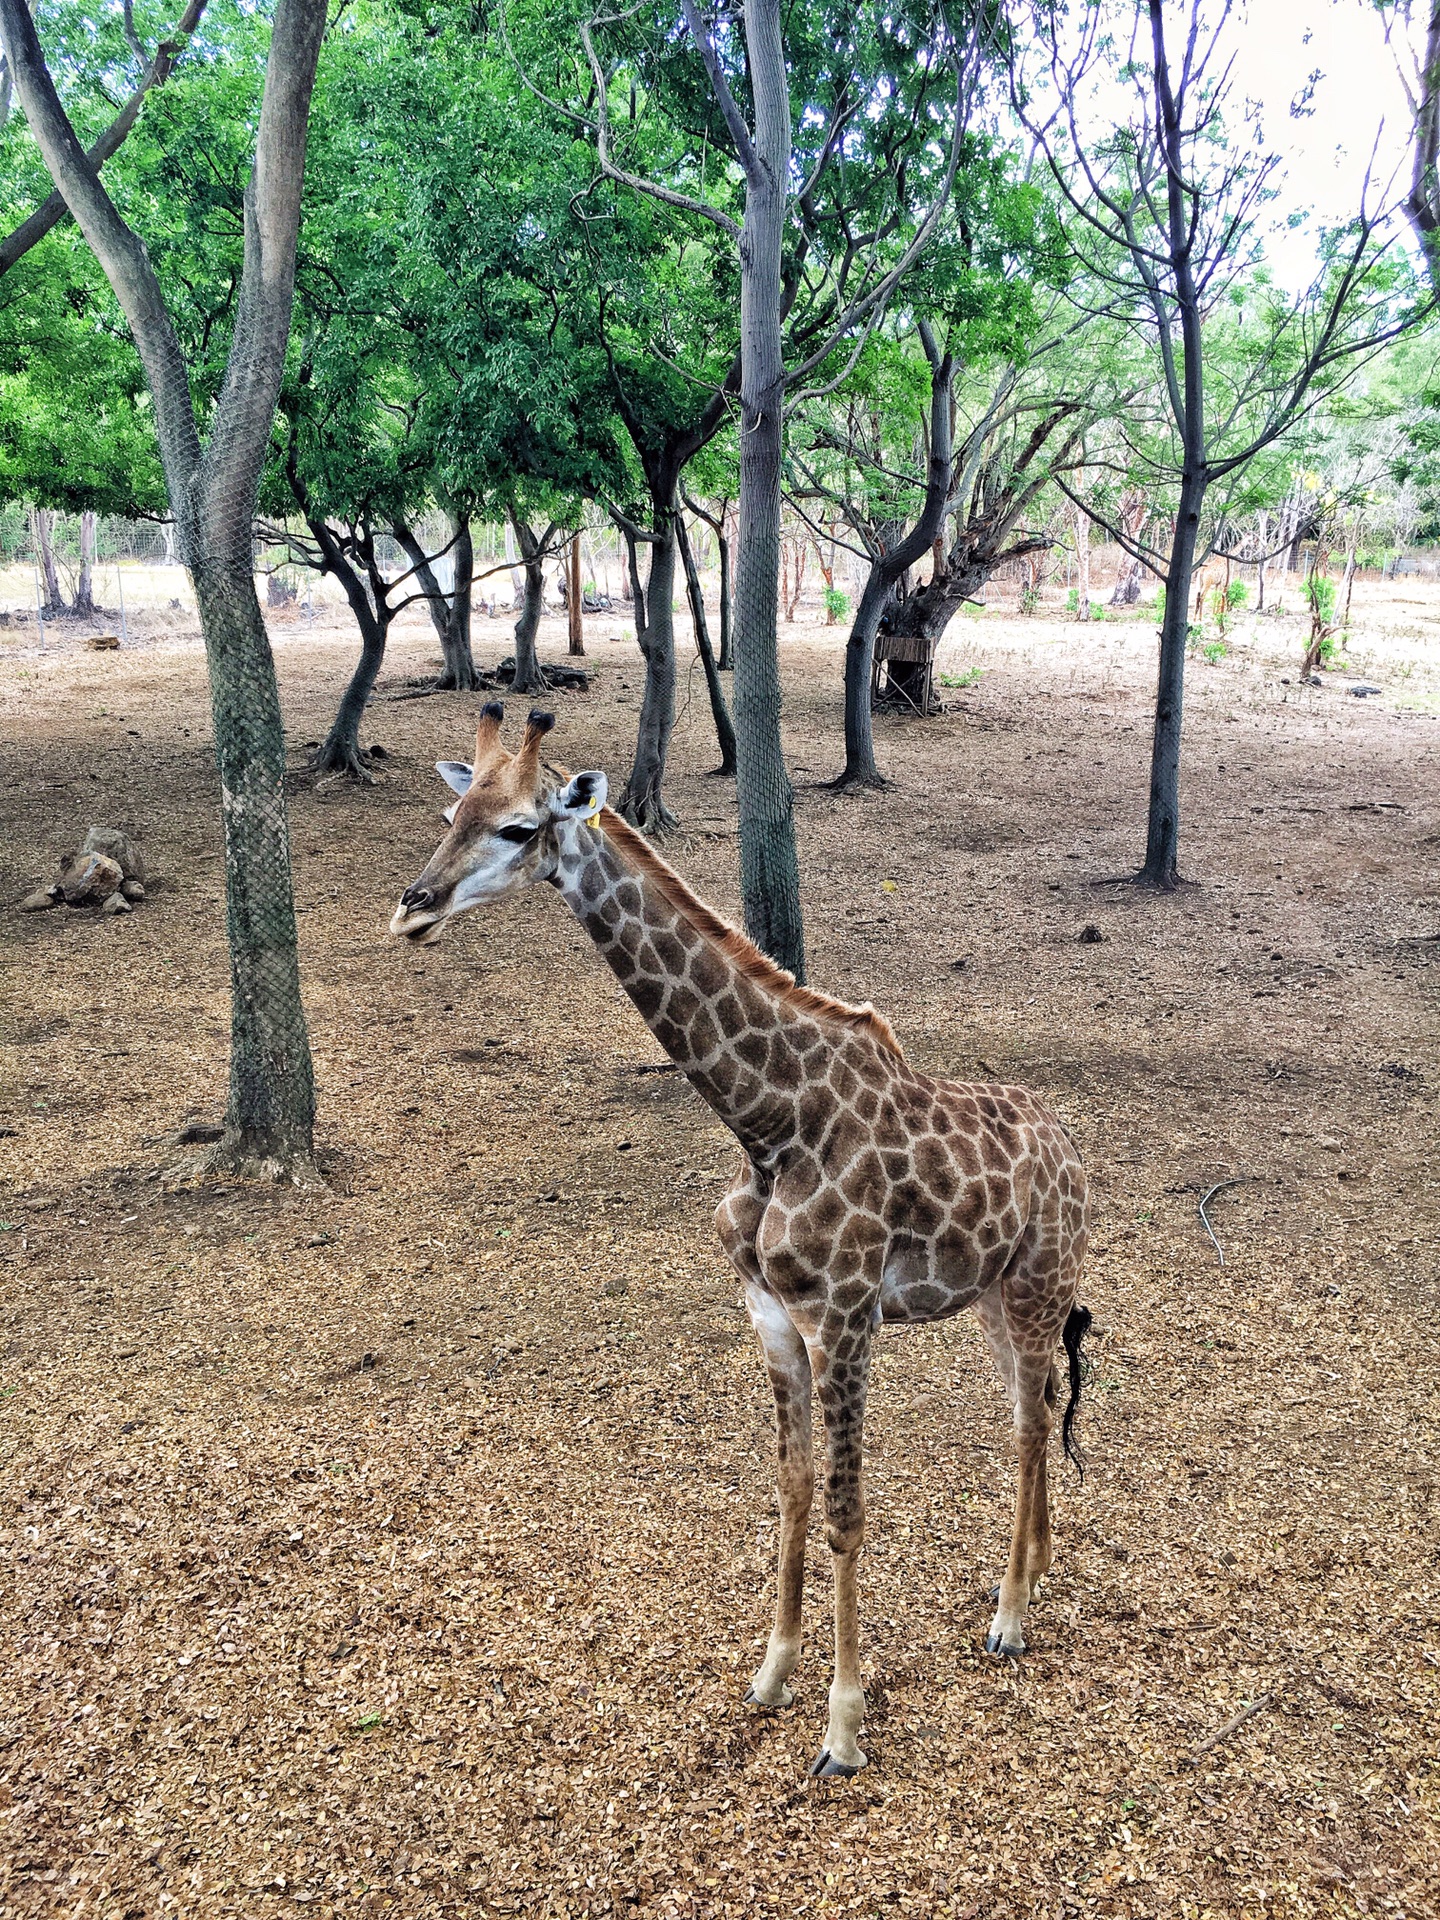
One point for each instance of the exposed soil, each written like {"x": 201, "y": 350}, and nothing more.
{"x": 406, "y": 1546}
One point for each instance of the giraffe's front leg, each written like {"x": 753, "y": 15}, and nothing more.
{"x": 842, "y": 1385}
{"x": 788, "y": 1365}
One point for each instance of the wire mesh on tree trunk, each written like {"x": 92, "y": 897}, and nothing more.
{"x": 271, "y": 1109}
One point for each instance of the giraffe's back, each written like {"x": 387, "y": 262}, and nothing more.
{"x": 997, "y": 1183}
{"x": 932, "y": 1187}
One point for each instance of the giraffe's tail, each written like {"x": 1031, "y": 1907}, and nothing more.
{"x": 1077, "y": 1325}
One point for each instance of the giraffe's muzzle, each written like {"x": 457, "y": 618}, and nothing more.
{"x": 416, "y": 917}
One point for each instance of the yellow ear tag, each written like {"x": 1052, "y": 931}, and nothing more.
{"x": 594, "y": 812}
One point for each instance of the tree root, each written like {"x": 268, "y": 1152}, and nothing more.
{"x": 650, "y": 814}
{"x": 548, "y": 678}
{"x": 851, "y": 782}
{"x": 344, "y": 763}
{"x": 452, "y": 682}
{"x": 232, "y": 1158}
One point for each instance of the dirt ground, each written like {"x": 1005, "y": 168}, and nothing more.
{"x": 405, "y": 1547}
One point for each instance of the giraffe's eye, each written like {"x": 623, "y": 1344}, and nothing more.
{"x": 516, "y": 834}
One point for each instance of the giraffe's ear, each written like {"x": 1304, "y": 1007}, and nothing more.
{"x": 457, "y": 776}
{"x": 580, "y": 798}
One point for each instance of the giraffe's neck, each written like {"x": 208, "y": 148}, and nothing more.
{"x": 745, "y": 1048}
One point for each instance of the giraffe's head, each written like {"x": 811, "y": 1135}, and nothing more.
{"x": 504, "y": 829}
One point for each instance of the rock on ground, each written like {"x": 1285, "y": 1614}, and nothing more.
{"x": 116, "y": 846}
{"x": 86, "y": 879}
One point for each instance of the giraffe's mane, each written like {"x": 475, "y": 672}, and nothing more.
{"x": 736, "y": 946}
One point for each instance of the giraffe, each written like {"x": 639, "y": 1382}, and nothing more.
{"x": 869, "y": 1193}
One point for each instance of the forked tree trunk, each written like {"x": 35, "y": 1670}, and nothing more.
{"x": 643, "y": 802}
{"x": 340, "y": 752}
{"x": 85, "y": 583}
{"x": 717, "y": 523}
{"x": 926, "y": 613}
{"x": 719, "y": 712}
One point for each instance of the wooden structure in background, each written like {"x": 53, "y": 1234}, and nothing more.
{"x": 904, "y": 671}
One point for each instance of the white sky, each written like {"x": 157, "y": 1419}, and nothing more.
{"x": 1326, "y": 149}
{"x": 1359, "y": 93}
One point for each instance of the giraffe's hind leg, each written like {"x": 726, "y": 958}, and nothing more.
{"x": 737, "y": 1220}
{"x": 1030, "y": 1539}
{"x": 1016, "y": 1316}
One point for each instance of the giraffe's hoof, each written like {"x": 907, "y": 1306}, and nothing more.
{"x": 827, "y": 1768}
{"x": 752, "y": 1699}
{"x": 996, "y": 1643}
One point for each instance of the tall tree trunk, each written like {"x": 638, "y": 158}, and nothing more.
{"x": 341, "y": 751}
{"x": 726, "y": 662}
{"x": 85, "y": 584}
{"x": 894, "y": 553}
{"x": 1162, "y": 845}
{"x": 860, "y": 769}
{"x": 575, "y": 600}
{"x": 449, "y": 613}
{"x": 528, "y": 678}
{"x": 458, "y": 671}
{"x": 212, "y": 487}
{"x": 719, "y": 712}
{"x": 642, "y": 802}
{"x": 717, "y": 523}
{"x": 637, "y": 592}
{"x": 1260, "y": 563}
{"x": 769, "y": 861}
{"x": 42, "y": 533}
{"x": 1297, "y": 538}
{"x": 1082, "y": 561}
{"x": 270, "y": 1116}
